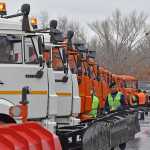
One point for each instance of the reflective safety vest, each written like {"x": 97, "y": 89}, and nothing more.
{"x": 142, "y": 98}
{"x": 114, "y": 103}
{"x": 95, "y": 105}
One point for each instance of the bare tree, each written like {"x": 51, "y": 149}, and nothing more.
{"x": 64, "y": 24}
{"x": 142, "y": 61}
{"x": 117, "y": 40}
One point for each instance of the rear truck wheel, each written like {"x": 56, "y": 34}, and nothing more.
{"x": 6, "y": 119}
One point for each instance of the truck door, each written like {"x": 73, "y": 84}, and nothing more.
{"x": 64, "y": 89}
{"x": 19, "y": 67}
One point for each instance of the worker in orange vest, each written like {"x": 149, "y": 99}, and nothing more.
{"x": 142, "y": 97}
{"x": 147, "y": 97}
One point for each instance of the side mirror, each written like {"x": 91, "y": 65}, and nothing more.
{"x": 53, "y": 24}
{"x": 65, "y": 69}
{"x": 65, "y": 61}
{"x": 25, "y": 9}
{"x": 98, "y": 73}
{"x": 79, "y": 71}
{"x": 56, "y": 35}
{"x": 40, "y": 45}
{"x": 79, "y": 66}
{"x": 40, "y": 59}
{"x": 64, "y": 56}
{"x": 70, "y": 35}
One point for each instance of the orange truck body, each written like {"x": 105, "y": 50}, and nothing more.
{"x": 105, "y": 79}
{"x": 128, "y": 87}
{"x": 84, "y": 83}
{"x": 87, "y": 83}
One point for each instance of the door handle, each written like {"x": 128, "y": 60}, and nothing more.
{"x": 38, "y": 75}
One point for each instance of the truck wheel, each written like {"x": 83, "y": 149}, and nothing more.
{"x": 6, "y": 119}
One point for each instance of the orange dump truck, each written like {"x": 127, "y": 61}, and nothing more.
{"x": 128, "y": 85}
{"x": 105, "y": 76}
{"x": 78, "y": 65}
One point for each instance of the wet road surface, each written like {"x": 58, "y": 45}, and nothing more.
{"x": 142, "y": 139}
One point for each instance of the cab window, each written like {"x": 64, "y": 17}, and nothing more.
{"x": 130, "y": 84}
{"x": 30, "y": 50}
{"x": 10, "y": 49}
{"x": 57, "y": 62}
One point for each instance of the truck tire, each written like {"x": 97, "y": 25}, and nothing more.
{"x": 6, "y": 119}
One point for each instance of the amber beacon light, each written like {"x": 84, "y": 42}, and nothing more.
{"x": 3, "y": 9}
{"x": 34, "y": 22}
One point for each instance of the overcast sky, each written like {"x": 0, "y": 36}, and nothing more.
{"x": 85, "y": 10}
{"x": 80, "y": 10}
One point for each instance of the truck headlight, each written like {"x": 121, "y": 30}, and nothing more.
{"x": 15, "y": 111}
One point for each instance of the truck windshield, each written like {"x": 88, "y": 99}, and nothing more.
{"x": 57, "y": 60}
{"x": 10, "y": 49}
{"x": 130, "y": 84}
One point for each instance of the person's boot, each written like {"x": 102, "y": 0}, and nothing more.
{"x": 112, "y": 148}
{"x": 122, "y": 146}
{"x": 146, "y": 112}
{"x": 142, "y": 117}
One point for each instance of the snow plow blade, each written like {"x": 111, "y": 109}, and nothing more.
{"x": 101, "y": 133}
{"x": 71, "y": 136}
{"x": 28, "y": 136}
{"x": 111, "y": 130}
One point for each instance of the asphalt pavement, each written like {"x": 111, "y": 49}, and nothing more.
{"x": 142, "y": 139}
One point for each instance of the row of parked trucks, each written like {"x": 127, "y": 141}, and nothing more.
{"x": 46, "y": 80}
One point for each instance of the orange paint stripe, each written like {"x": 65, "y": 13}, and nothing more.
{"x": 81, "y": 94}
{"x": 18, "y": 92}
{"x": 63, "y": 94}
{"x": 39, "y": 92}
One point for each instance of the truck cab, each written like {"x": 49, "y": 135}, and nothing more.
{"x": 129, "y": 86}
{"x": 19, "y": 66}
{"x": 22, "y": 68}
{"x": 66, "y": 84}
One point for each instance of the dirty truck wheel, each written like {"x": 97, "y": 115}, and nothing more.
{"x": 5, "y": 119}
